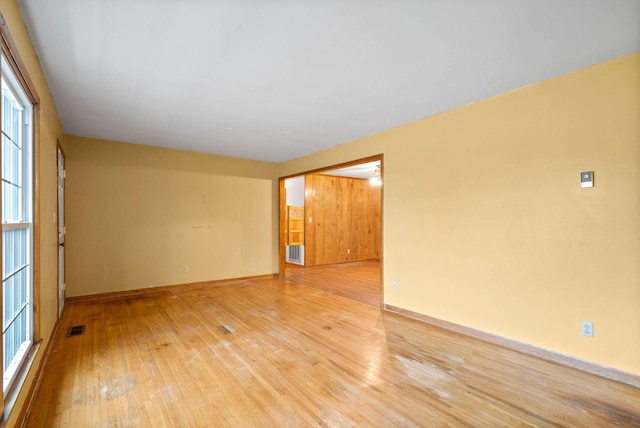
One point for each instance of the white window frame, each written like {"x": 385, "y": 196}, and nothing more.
{"x": 24, "y": 222}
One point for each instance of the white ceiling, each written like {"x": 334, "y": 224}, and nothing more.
{"x": 275, "y": 80}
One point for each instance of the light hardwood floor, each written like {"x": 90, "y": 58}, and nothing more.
{"x": 359, "y": 281}
{"x": 271, "y": 352}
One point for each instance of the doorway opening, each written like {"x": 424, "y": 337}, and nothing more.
{"x": 331, "y": 229}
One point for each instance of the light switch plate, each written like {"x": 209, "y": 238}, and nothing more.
{"x": 586, "y": 179}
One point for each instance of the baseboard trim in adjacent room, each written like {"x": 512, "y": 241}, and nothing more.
{"x": 163, "y": 288}
{"x": 525, "y": 348}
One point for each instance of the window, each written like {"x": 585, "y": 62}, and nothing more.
{"x": 17, "y": 225}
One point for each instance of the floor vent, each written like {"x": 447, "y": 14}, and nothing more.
{"x": 227, "y": 329}
{"x": 76, "y": 330}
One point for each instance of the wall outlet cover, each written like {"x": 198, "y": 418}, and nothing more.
{"x": 587, "y": 328}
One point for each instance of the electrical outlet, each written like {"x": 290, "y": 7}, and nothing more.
{"x": 587, "y": 328}
{"x": 394, "y": 286}
{"x": 185, "y": 268}
{"x": 348, "y": 250}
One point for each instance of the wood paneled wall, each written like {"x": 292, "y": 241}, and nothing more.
{"x": 345, "y": 220}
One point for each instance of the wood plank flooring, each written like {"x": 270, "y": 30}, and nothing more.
{"x": 274, "y": 353}
{"x": 359, "y": 281}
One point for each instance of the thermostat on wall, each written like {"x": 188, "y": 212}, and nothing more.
{"x": 586, "y": 179}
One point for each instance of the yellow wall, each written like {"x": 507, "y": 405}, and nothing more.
{"x": 485, "y": 224}
{"x": 50, "y": 130}
{"x": 136, "y": 214}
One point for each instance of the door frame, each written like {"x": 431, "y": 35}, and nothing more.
{"x": 282, "y": 202}
{"x": 60, "y": 154}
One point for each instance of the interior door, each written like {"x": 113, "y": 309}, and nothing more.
{"x": 61, "y": 233}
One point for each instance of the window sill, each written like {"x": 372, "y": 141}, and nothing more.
{"x": 12, "y": 394}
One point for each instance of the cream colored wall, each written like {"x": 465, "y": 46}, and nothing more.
{"x": 136, "y": 214}
{"x": 485, "y": 223}
{"x": 50, "y": 130}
